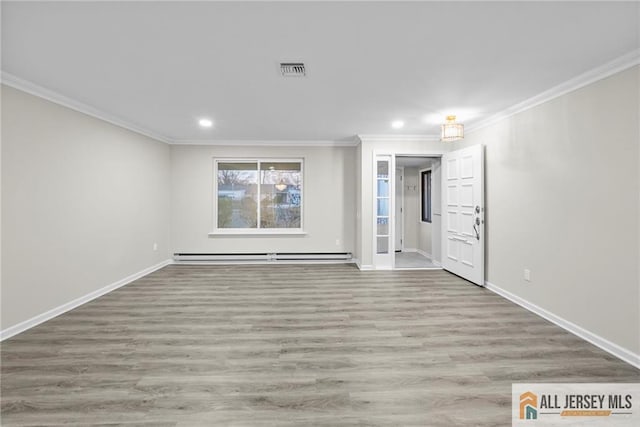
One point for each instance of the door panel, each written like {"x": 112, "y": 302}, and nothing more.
{"x": 452, "y": 221}
{"x": 452, "y": 168}
{"x": 452, "y": 249}
{"x": 466, "y": 195}
{"x": 463, "y": 225}
{"x": 467, "y": 167}
{"x": 467, "y": 253}
{"x": 452, "y": 194}
{"x": 466, "y": 223}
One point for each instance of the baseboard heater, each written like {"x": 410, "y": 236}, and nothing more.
{"x": 264, "y": 257}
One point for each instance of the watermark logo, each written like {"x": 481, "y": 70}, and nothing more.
{"x": 576, "y": 404}
{"x": 528, "y": 406}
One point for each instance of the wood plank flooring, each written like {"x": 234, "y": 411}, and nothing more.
{"x": 323, "y": 345}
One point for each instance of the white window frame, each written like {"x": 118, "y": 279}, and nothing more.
{"x": 256, "y": 231}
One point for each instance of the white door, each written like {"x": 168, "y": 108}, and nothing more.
{"x": 399, "y": 235}
{"x": 463, "y": 213}
{"x": 382, "y": 207}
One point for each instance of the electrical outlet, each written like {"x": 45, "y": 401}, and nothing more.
{"x": 155, "y": 246}
{"x": 337, "y": 242}
{"x": 527, "y": 274}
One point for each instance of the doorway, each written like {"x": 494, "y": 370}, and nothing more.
{"x": 418, "y": 216}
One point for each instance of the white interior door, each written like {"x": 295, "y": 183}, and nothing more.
{"x": 399, "y": 231}
{"x": 463, "y": 213}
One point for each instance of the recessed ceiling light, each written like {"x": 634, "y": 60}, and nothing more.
{"x": 205, "y": 123}
{"x": 397, "y": 124}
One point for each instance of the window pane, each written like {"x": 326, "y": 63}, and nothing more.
{"x": 383, "y": 227}
{"x": 383, "y": 168}
{"x": 281, "y": 195}
{"x": 383, "y": 207}
{"x": 237, "y": 195}
{"x": 383, "y": 188}
{"x": 382, "y": 245}
{"x": 280, "y": 166}
{"x": 251, "y": 166}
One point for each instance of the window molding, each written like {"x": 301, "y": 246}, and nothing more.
{"x": 222, "y": 232}
{"x": 257, "y": 231}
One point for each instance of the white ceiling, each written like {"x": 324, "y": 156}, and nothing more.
{"x": 161, "y": 65}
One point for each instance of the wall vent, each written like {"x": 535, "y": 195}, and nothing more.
{"x": 292, "y": 69}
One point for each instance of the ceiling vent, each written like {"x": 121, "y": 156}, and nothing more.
{"x": 292, "y": 69}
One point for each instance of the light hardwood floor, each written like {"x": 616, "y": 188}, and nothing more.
{"x": 323, "y": 345}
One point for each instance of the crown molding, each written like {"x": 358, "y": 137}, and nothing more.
{"x": 55, "y": 97}
{"x": 603, "y": 71}
{"x": 265, "y": 143}
{"x": 399, "y": 138}
{"x": 617, "y": 65}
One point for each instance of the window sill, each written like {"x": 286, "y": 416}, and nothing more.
{"x": 253, "y": 233}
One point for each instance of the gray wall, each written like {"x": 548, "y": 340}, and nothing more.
{"x": 329, "y": 200}
{"x": 418, "y": 234}
{"x": 563, "y": 200}
{"x": 411, "y": 213}
{"x": 83, "y": 202}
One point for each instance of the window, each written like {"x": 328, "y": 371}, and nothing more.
{"x": 382, "y": 206}
{"x": 425, "y": 195}
{"x": 254, "y": 195}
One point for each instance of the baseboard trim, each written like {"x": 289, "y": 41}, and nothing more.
{"x": 425, "y": 254}
{"x": 36, "y": 320}
{"x": 428, "y": 255}
{"x": 265, "y": 262}
{"x": 606, "y": 345}
{"x": 365, "y": 267}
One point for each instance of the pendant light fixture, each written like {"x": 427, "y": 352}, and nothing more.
{"x": 452, "y": 131}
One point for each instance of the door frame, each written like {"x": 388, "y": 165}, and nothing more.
{"x": 392, "y": 219}
{"x": 402, "y": 212}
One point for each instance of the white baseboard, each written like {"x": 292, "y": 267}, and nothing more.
{"x": 265, "y": 262}
{"x": 30, "y": 323}
{"x": 606, "y": 345}
{"x": 423, "y": 253}
{"x": 365, "y": 267}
